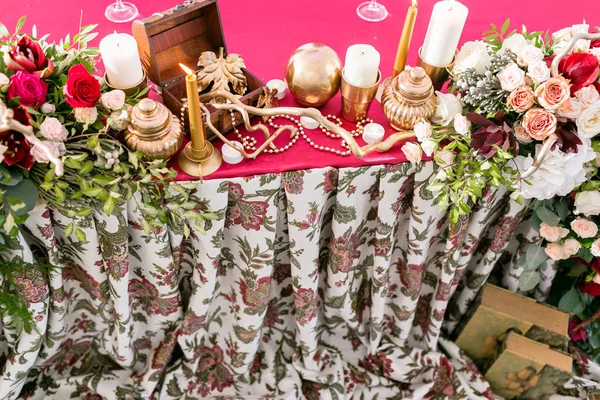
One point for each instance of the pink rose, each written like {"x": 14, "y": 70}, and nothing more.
{"x": 539, "y": 124}
{"x": 52, "y": 129}
{"x": 552, "y": 233}
{"x": 511, "y": 77}
{"x": 571, "y": 247}
{"x": 56, "y": 148}
{"x": 115, "y": 99}
{"x": 555, "y": 251}
{"x": 553, "y": 93}
{"x": 29, "y": 88}
{"x": 413, "y": 152}
{"x": 584, "y": 228}
{"x": 521, "y": 99}
{"x": 521, "y": 134}
{"x": 86, "y": 115}
{"x": 595, "y": 249}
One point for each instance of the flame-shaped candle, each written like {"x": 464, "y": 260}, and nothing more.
{"x": 194, "y": 113}
{"x": 404, "y": 45}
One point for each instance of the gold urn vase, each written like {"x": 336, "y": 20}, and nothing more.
{"x": 154, "y": 131}
{"x": 408, "y": 99}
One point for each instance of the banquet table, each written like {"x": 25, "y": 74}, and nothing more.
{"x": 323, "y": 277}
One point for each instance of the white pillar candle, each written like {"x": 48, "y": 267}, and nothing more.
{"x": 445, "y": 27}
{"x": 279, "y": 85}
{"x": 231, "y": 155}
{"x": 309, "y": 123}
{"x": 121, "y": 60}
{"x": 362, "y": 65}
{"x": 373, "y": 132}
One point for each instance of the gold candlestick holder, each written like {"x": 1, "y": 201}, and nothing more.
{"x": 200, "y": 162}
{"x": 130, "y": 91}
{"x": 438, "y": 74}
{"x": 357, "y": 100}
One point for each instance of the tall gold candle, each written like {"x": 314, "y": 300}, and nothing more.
{"x": 404, "y": 45}
{"x": 194, "y": 113}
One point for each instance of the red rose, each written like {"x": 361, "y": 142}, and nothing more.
{"x": 29, "y": 88}
{"x": 28, "y": 55}
{"x": 580, "y": 68}
{"x": 81, "y": 89}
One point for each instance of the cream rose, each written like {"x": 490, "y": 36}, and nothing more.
{"x": 56, "y": 148}
{"x": 4, "y": 82}
{"x": 595, "y": 248}
{"x": 3, "y": 149}
{"x": 86, "y": 115}
{"x": 514, "y": 43}
{"x": 521, "y": 99}
{"x": 587, "y": 95}
{"x": 48, "y": 108}
{"x": 555, "y": 251}
{"x": 584, "y": 228}
{"x": 472, "y": 55}
{"x": 538, "y": 71}
{"x": 539, "y": 124}
{"x": 461, "y": 124}
{"x": 52, "y": 129}
{"x": 511, "y": 77}
{"x": 115, "y": 99}
{"x": 552, "y": 233}
{"x": 428, "y": 147}
{"x": 413, "y": 152}
{"x": 446, "y": 157}
{"x": 448, "y": 106}
{"x": 529, "y": 54}
{"x": 571, "y": 109}
{"x": 571, "y": 247}
{"x": 422, "y": 130}
{"x": 588, "y": 122}
{"x": 553, "y": 93}
{"x": 587, "y": 203}
{"x": 521, "y": 134}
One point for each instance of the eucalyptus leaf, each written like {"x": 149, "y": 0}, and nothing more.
{"x": 14, "y": 177}
{"x": 529, "y": 280}
{"x": 547, "y": 216}
{"x": 25, "y": 191}
{"x": 571, "y": 302}
{"x": 535, "y": 255}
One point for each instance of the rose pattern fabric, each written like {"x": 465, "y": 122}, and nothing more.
{"x": 314, "y": 284}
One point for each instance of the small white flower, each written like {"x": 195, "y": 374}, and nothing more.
{"x": 461, "y": 124}
{"x": 422, "y": 130}
{"x": 448, "y": 106}
{"x": 538, "y": 71}
{"x": 529, "y": 54}
{"x": 428, "y": 147}
{"x": 413, "y": 152}
{"x": 511, "y": 77}
{"x": 86, "y": 115}
{"x": 472, "y": 55}
{"x": 514, "y": 43}
{"x": 48, "y": 108}
{"x": 53, "y": 130}
{"x": 115, "y": 99}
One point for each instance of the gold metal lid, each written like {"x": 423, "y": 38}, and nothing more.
{"x": 413, "y": 85}
{"x": 150, "y": 119}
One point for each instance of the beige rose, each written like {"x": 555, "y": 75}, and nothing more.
{"x": 428, "y": 147}
{"x": 511, "y": 77}
{"x": 571, "y": 247}
{"x": 521, "y": 99}
{"x": 52, "y": 129}
{"x": 446, "y": 157}
{"x": 588, "y": 122}
{"x": 584, "y": 228}
{"x": 552, "y": 233}
{"x": 422, "y": 130}
{"x": 413, "y": 152}
{"x": 587, "y": 95}
{"x": 538, "y": 71}
{"x": 553, "y": 93}
{"x": 529, "y": 54}
{"x": 48, "y": 108}
{"x": 461, "y": 124}
{"x": 595, "y": 248}
{"x": 521, "y": 134}
{"x": 555, "y": 251}
{"x": 115, "y": 99}
{"x": 571, "y": 109}
{"x": 56, "y": 148}
{"x": 539, "y": 124}
{"x": 86, "y": 115}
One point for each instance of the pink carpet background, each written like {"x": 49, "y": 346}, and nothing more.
{"x": 266, "y": 32}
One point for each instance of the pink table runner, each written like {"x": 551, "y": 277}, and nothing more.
{"x": 265, "y": 33}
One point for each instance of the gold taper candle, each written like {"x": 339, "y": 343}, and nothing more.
{"x": 404, "y": 45}
{"x": 194, "y": 114}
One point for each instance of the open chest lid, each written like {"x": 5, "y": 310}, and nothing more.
{"x": 178, "y": 35}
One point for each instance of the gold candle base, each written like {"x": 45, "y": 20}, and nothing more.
{"x": 199, "y": 163}
{"x": 130, "y": 91}
{"x": 438, "y": 74}
{"x": 356, "y": 100}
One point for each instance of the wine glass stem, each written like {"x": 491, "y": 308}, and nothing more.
{"x": 119, "y": 4}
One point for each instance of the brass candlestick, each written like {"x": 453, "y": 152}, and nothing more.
{"x": 438, "y": 74}
{"x": 357, "y": 100}
{"x": 198, "y": 157}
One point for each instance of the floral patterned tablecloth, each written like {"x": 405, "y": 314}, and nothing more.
{"x": 318, "y": 284}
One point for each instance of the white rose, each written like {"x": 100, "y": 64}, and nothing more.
{"x": 86, "y": 115}
{"x": 529, "y": 54}
{"x": 555, "y": 251}
{"x": 428, "y": 147}
{"x": 514, "y": 43}
{"x": 595, "y": 248}
{"x": 584, "y": 228}
{"x": 422, "y": 130}
{"x": 447, "y": 158}
{"x": 473, "y": 55}
{"x": 521, "y": 134}
{"x": 587, "y": 203}
{"x": 511, "y": 77}
{"x": 538, "y": 71}
{"x": 3, "y": 149}
{"x": 56, "y": 148}
{"x": 448, "y": 106}
{"x": 48, "y": 108}
{"x": 461, "y": 124}
{"x": 52, "y": 129}
{"x": 571, "y": 109}
{"x": 552, "y": 233}
{"x": 571, "y": 247}
{"x": 588, "y": 122}
{"x": 4, "y": 82}
{"x": 587, "y": 95}
{"x": 413, "y": 152}
{"x": 115, "y": 99}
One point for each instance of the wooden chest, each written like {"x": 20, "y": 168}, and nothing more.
{"x": 180, "y": 35}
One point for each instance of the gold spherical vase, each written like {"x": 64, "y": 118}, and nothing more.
{"x": 313, "y": 74}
